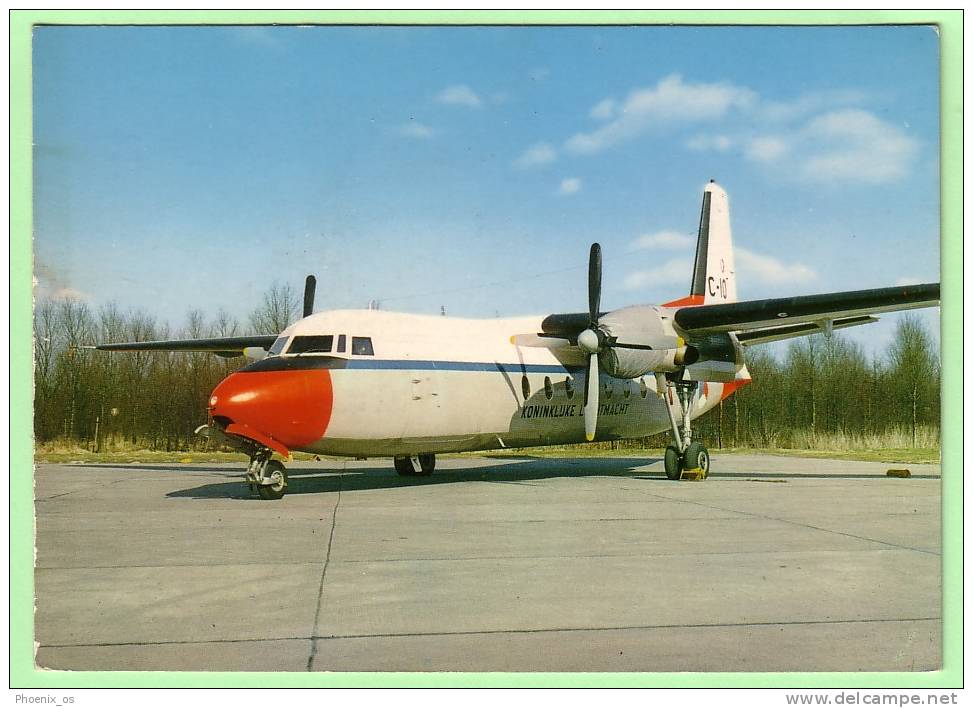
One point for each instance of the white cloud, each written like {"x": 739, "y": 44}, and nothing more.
{"x": 459, "y": 95}
{"x": 856, "y": 145}
{"x": 751, "y": 267}
{"x": 700, "y": 143}
{"x": 663, "y": 240}
{"x": 768, "y": 148}
{"x": 674, "y": 272}
{"x": 570, "y": 185}
{"x": 671, "y": 101}
{"x": 415, "y": 129}
{"x": 604, "y": 110}
{"x": 846, "y": 145}
{"x": 768, "y": 270}
{"x": 537, "y": 154}
{"x": 807, "y": 103}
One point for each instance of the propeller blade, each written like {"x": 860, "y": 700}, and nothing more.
{"x": 594, "y": 283}
{"x": 543, "y": 341}
{"x": 309, "y": 285}
{"x": 591, "y": 399}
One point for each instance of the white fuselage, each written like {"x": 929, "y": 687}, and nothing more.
{"x": 439, "y": 384}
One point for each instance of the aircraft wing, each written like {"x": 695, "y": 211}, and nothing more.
{"x": 223, "y": 346}
{"x": 777, "y": 334}
{"x": 777, "y": 316}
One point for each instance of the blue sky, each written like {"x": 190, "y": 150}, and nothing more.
{"x": 180, "y": 168}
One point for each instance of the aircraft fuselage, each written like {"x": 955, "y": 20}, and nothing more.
{"x": 411, "y": 384}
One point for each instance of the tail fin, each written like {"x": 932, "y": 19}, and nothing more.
{"x": 714, "y": 275}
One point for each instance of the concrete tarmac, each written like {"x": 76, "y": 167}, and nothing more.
{"x": 491, "y": 564}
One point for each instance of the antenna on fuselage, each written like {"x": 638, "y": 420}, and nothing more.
{"x": 442, "y": 310}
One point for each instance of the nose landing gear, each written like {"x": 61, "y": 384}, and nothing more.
{"x": 266, "y": 477}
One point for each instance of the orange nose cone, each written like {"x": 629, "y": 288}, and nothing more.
{"x": 293, "y": 407}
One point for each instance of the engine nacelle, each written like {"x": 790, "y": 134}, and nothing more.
{"x": 720, "y": 359}
{"x": 643, "y": 326}
{"x": 632, "y": 363}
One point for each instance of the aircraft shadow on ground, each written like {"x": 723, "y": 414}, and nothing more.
{"x": 304, "y": 480}
{"x": 507, "y": 470}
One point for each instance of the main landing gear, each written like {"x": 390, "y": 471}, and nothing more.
{"x": 683, "y": 454}
{"x": 416, "y": 466}
{"x": 266, "y": 477}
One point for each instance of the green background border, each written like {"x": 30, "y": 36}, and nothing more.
{"x": 22, "y": 672}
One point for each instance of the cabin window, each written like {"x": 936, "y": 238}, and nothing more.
{"x": 525, "y": 386}
{"x": 548, "y": 388}
{"x": 318, "y": 343}
{"x": 362, "y": 345}
{"x": 341, "y": 344}
{"x": 643, "y": 389}
{"x": 608, "y": 390}
{"x": 627, "y": 391}
{"x": 278, "y": 346}
{"x": 569, "y": 387}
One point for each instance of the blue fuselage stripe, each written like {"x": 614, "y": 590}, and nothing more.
{"x": 429, "y": 365}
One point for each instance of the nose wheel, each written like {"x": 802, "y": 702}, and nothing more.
{"x": 267, "y": 477}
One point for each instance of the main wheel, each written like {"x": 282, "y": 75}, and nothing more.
{"x": 404, "y": 466}
{"x": 697, "y": 456}
{"x": 673, "y": 462}
{"x": 278, "y": 475}
{"x": 427, "y": 463}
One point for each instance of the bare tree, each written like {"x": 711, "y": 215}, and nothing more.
{"x": 278, "y": 309}
{"x": 914, "y": 370}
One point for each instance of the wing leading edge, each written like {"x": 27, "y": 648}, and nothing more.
{"x": 224, "y": 346}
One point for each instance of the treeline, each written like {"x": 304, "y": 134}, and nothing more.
{"x": 815, "y": 389}
{"x": 824, "y": 392}
{"x": 151, "y": 400}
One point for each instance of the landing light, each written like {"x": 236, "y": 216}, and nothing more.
{"x": 212, "y": 401}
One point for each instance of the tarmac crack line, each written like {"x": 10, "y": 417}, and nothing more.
{"x": 324, "y": 573}
{"x": 475, "y": 632}
{"x": 448, "y": 559}
{"x": 797, "y": 523}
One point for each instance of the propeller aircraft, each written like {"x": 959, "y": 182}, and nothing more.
{"x": 370, "y": 383}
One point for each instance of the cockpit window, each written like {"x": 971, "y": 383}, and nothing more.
{"x": 341, "y": 344}
{"x": 320, "y": 343}
{"x": 278, "y": 346}
{"x": 362, "y": 345}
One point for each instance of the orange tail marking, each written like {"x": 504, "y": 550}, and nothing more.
{"x": 730, "y": 386}
{"x": 687, "y": 301}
